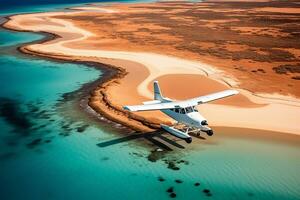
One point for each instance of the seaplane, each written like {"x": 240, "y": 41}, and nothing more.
{"x": 185, "y": 112}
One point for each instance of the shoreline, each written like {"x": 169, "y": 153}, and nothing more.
{"x": 99, "y": 98}
{"x": 110, "y": 74}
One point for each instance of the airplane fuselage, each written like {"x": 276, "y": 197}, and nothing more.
{"x": 188, "y": 116}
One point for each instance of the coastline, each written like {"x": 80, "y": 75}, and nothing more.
{"x": 97, "y": 98}
{"x": 102, "y": 97}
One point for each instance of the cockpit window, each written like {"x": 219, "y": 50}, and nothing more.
{"x": 195, "y": 108}
{"x": 182, "y": 111}
{"x": 185, "y": 110}
{"x": 189, "y": 109}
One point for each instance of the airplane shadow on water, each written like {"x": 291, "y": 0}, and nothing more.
{"x": 151, "y": 137}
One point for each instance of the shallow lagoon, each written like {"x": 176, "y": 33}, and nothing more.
{"x": 49, "y": 151}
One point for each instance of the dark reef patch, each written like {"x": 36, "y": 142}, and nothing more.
{"x": 82, "y": 128}
{"x": 173, "y": 195}
{"x": 155, "y": 155}
{"x": 66, "y": 128}
{"x": 178, "y": 181}
{"x": 207, "y": 192}
{"x": 137, "y": 154}
{"x": 170, "y": 190}
{"x": 28, "y": 121}
{"x": 172, "y": 165}
{"x": 12, "y": 113}
{"x": 47, "y": 141}
{"x": 161, "y": 179}
{"x": 183, "y": 161}
{"x": 32, "y": 108}
{"x": 65, "y": 134}
{"x": 34, "y": 143}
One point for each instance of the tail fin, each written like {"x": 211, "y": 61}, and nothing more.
{"x": 157, "y": 92}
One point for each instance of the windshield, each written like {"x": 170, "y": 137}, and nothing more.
{"x": 189, "y": 109}
{"x": 195, "y": 108}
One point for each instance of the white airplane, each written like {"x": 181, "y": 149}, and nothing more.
{"x": 184, "y": 112}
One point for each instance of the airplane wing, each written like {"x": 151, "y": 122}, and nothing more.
{"x": 210, "y": 97}
{"x": 156, "y": 106}
{"x": 184, "y": 103}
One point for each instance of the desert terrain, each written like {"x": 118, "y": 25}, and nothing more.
{"x": 258, "y": 42}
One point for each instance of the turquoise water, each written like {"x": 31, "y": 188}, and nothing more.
{"x": 8, "y": 38}
{"x": 51, "y": 150}
{"x": 9, "y": 8}
{"x": 17, "y": 9}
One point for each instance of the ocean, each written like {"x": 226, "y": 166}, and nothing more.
{"x": 52, "y": 149}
